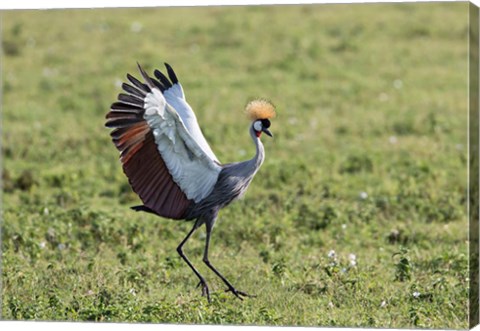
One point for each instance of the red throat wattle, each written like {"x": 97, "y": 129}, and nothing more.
{"x": 258, "y": 133}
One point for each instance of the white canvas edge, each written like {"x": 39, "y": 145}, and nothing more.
{"x": 83, "y": 326}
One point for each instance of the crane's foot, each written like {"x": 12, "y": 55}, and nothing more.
{"x": 205, "y": 290}
{"x": 239, "y": 294}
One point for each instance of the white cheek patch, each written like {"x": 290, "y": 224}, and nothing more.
{"x": 257, "y": 126}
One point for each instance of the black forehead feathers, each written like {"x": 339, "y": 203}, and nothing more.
{"x": 266, "y": 123}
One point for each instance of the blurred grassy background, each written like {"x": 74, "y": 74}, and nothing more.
{"x": 357, "y": 217}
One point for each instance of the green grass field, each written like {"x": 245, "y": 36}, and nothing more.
{"x": 357, "y": 217}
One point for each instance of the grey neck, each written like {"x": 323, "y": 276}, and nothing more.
{"x": 260, "y": 154}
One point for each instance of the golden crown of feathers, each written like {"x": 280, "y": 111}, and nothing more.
{"x": 260, "y": 109}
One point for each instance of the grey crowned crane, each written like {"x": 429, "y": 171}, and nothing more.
{"x": 170, "y": 165}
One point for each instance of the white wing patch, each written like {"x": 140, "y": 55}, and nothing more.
{"x": 176, "y": 98}
{"x": 192, "y": 168}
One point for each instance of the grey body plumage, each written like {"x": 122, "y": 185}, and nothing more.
{"x": 232, "y": 183}
{"x": 162, "y": 165}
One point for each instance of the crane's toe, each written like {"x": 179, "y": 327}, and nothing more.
{"x": 239, "y": 294}
{"x": 205, "y": 290}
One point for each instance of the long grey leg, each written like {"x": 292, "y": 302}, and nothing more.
{"x": 203, "y": 283}
{"x": 238, "y": 294}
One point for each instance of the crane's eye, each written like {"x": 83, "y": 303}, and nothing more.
{"x": 257, "y": 126}
{"x": 266, "y": 123}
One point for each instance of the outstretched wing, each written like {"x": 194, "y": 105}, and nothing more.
{"x": 173, "y": 93}
{"x": 168, "y": 164}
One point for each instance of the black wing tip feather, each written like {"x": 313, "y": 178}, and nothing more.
{"x": 147, "y": 78}
{"x": 171, "y": 73}
{"x": 144, "y": 87}
{"x": 139, "y": 89}
{"x": 163, "y": 83}
{"x": 162, "y": 79}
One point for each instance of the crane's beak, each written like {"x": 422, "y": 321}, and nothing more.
{"x": 267, "y": 132}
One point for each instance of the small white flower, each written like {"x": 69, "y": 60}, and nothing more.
{"x": 46, "y": 211}
{"x": 353, "y": 259}
{"x": 392, "y": 140}
{"x": 331, "y": 305}
{"x": 42, "y": 244}
{"x": 331, "y": 254}
{"x": 118, "y": 83}
{"x": 89, "y": 292}
{"x": 136, "y": 27}
{"x": 363, "y": 195}
{"x": 416, "y": 294}
{"x": 344, "y": 226}
{"x": 132, "y": 292}
{"x": 398, "y": 84}
{"x": 383, "y": 304}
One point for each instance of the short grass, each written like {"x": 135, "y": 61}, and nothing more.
{"x": 357, "y": 217}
